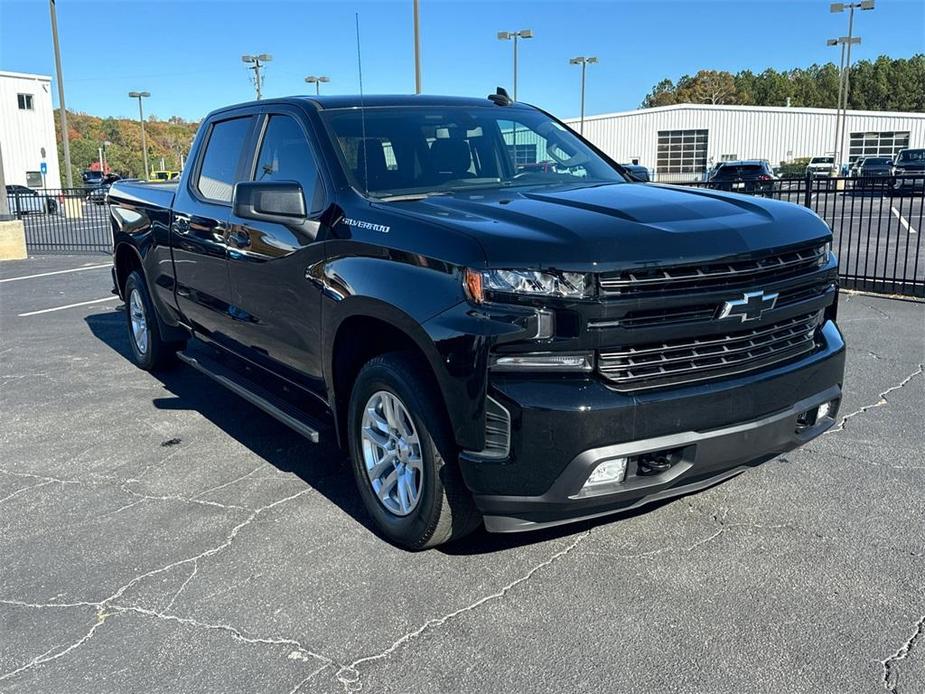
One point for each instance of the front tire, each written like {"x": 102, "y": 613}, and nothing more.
{"x": 404, "y": 460}
{"x": 149, "y": 351}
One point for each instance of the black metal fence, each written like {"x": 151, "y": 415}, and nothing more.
{"x": 64, "y": 220}
{"x": 877, "y": 225}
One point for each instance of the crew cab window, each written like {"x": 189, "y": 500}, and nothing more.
{"x": 219, "y": 169}
{"x": 285, "y": 155}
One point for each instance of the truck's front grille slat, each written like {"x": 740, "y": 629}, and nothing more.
{"x": 696, "y": 359}
{"x": 712, "y": 275}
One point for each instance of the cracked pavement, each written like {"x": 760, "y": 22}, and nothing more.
{"x": 161, "y": 535}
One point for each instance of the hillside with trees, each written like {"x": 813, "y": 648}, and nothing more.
{"x": 170, "y": 139}
{"x": 885, "y": 84}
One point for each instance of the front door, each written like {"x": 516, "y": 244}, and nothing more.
{"x": 277, "y": 310}
{"x": 200, "y": 226}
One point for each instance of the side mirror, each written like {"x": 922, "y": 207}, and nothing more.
{"x": 282, "y": 202}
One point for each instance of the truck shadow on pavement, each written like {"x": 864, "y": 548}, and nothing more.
{"x": 323, "y": 466}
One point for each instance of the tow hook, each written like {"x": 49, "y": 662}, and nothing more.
{"x": 657, "y": 462}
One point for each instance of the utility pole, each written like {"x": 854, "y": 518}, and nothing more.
{"x": 65, "y": 142}
{"x": 141, "y": 119}
{"x": 584, "y": 62}
{"x": 4, "y": 202}
{"x": 848, "y": 40}
{"x": 507, "y": 36}
{"x": 417, "y": 46}
{"x": 256, "y": 62}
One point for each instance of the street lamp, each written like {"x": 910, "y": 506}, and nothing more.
{"x": 311, "y": 79}
{"x": 584, "y": 62}
{"x": 141, "y": 119}
{"x": 256, "y": 62}
{"x": 849, "y": 40}
{"x": 507, "y": 36}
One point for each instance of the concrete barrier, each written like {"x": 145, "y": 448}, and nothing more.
{"x": 13, "y": 240}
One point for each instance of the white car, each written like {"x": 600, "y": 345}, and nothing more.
{"x": 821, "y": 167}
{"x": 23, "y": 200}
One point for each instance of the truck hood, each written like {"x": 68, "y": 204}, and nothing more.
{"x": 617, "y": 225}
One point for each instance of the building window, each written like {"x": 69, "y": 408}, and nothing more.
{"x": 34, "y": 179}
{"x": 885, "y": 144}
{"x": 682, "y": 153}
{"x": 728, "y": 157}
{"x": 24, "y": 101}
{"x": 522, "y": 154}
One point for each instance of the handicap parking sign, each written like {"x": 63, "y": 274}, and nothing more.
{"x": 43, "y": 167}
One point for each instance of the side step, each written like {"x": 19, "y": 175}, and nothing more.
{"x": 256, "y": 395}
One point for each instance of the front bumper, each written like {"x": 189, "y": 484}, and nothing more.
{"x": 561, "y": 430}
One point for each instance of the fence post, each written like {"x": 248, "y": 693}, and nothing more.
{"x": 808, "y": 193}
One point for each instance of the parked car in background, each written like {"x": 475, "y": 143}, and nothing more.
{"x": 162, "y": 176}
{"x": 874, "y": 171}
{"x": 98, "y": 193}
{"x": 821, "y": 167}
{"x": 747, "y": 176}
{"x": 23, "y": 200}
{"x": 909, "y": 169}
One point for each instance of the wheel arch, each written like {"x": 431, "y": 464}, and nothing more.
{"x": 370, "y": 328}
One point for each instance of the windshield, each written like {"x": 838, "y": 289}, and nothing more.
{"x": 431, "y": 150}
{"x": 822, "y": 160}
{"x": 912, "y": 155}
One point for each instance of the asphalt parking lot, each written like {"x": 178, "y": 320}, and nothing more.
{"x": 158, "y": 534}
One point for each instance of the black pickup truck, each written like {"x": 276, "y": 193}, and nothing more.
{"x": 492, "y": 341}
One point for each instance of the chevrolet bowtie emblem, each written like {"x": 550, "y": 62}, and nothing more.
{"x": 750, "y": 307}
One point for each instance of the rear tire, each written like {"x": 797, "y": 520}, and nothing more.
{"x": 403, "y": 457}
{"x": 149, "y": 351}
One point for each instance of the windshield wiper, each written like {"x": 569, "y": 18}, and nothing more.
{"x": 403, "y": 197}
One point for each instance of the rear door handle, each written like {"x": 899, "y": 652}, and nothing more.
{"x": 240, "y": 239}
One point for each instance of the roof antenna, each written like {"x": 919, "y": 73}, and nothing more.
{"x": 362, "y": 109}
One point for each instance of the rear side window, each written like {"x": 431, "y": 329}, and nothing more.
{"x": 218, "y": 172}
{"x": 285, "y": 155}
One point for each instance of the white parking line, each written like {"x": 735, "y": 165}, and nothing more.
{"x": 56, "y": 272}
{"x": 61, "y": 308}
{"x": 902, "y": 220}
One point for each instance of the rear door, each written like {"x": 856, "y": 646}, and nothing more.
{"x": 277, "y": 309}
{"x": 199, "y": 228}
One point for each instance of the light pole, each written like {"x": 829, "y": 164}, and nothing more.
{"x": 417, "y": 46}
{"x": 102, "y": 152}
{"x": 311, "y": 79}
{"x": 848, "y": 41}
{"x": 256, "y": 62}
{"x": 584, "y": 62}
{"x": 141, "y": 119}
{"x": 507, "y": 36}
{"x": 61, "y": 108}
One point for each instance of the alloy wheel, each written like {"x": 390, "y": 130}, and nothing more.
{"x": 139, "y": 322}
{"x": 392, "y": 453}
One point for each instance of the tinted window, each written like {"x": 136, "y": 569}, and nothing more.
{"x": 220, "y": 163}
{"x": 285, "y": 155}
{"x": 912, "y": 155}
{"x": 397, "y": 151}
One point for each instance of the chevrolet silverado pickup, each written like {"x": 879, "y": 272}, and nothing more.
{"x": 490, "y": 341}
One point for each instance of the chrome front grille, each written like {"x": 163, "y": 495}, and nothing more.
{"x": 709, "y": 276}
{"x": 676, "y": 362}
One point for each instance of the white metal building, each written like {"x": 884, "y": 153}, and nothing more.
{"x": 27, "y": 130}
{"x": 679, "y": 142}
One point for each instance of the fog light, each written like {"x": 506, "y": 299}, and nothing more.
{"x": 608, "y": 472}
{"x": 826, "y": 409}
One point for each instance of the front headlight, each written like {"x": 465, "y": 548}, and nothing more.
{"x": 567, "y": 285}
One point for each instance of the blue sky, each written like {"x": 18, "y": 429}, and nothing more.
{"x": 187, "y": 52}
